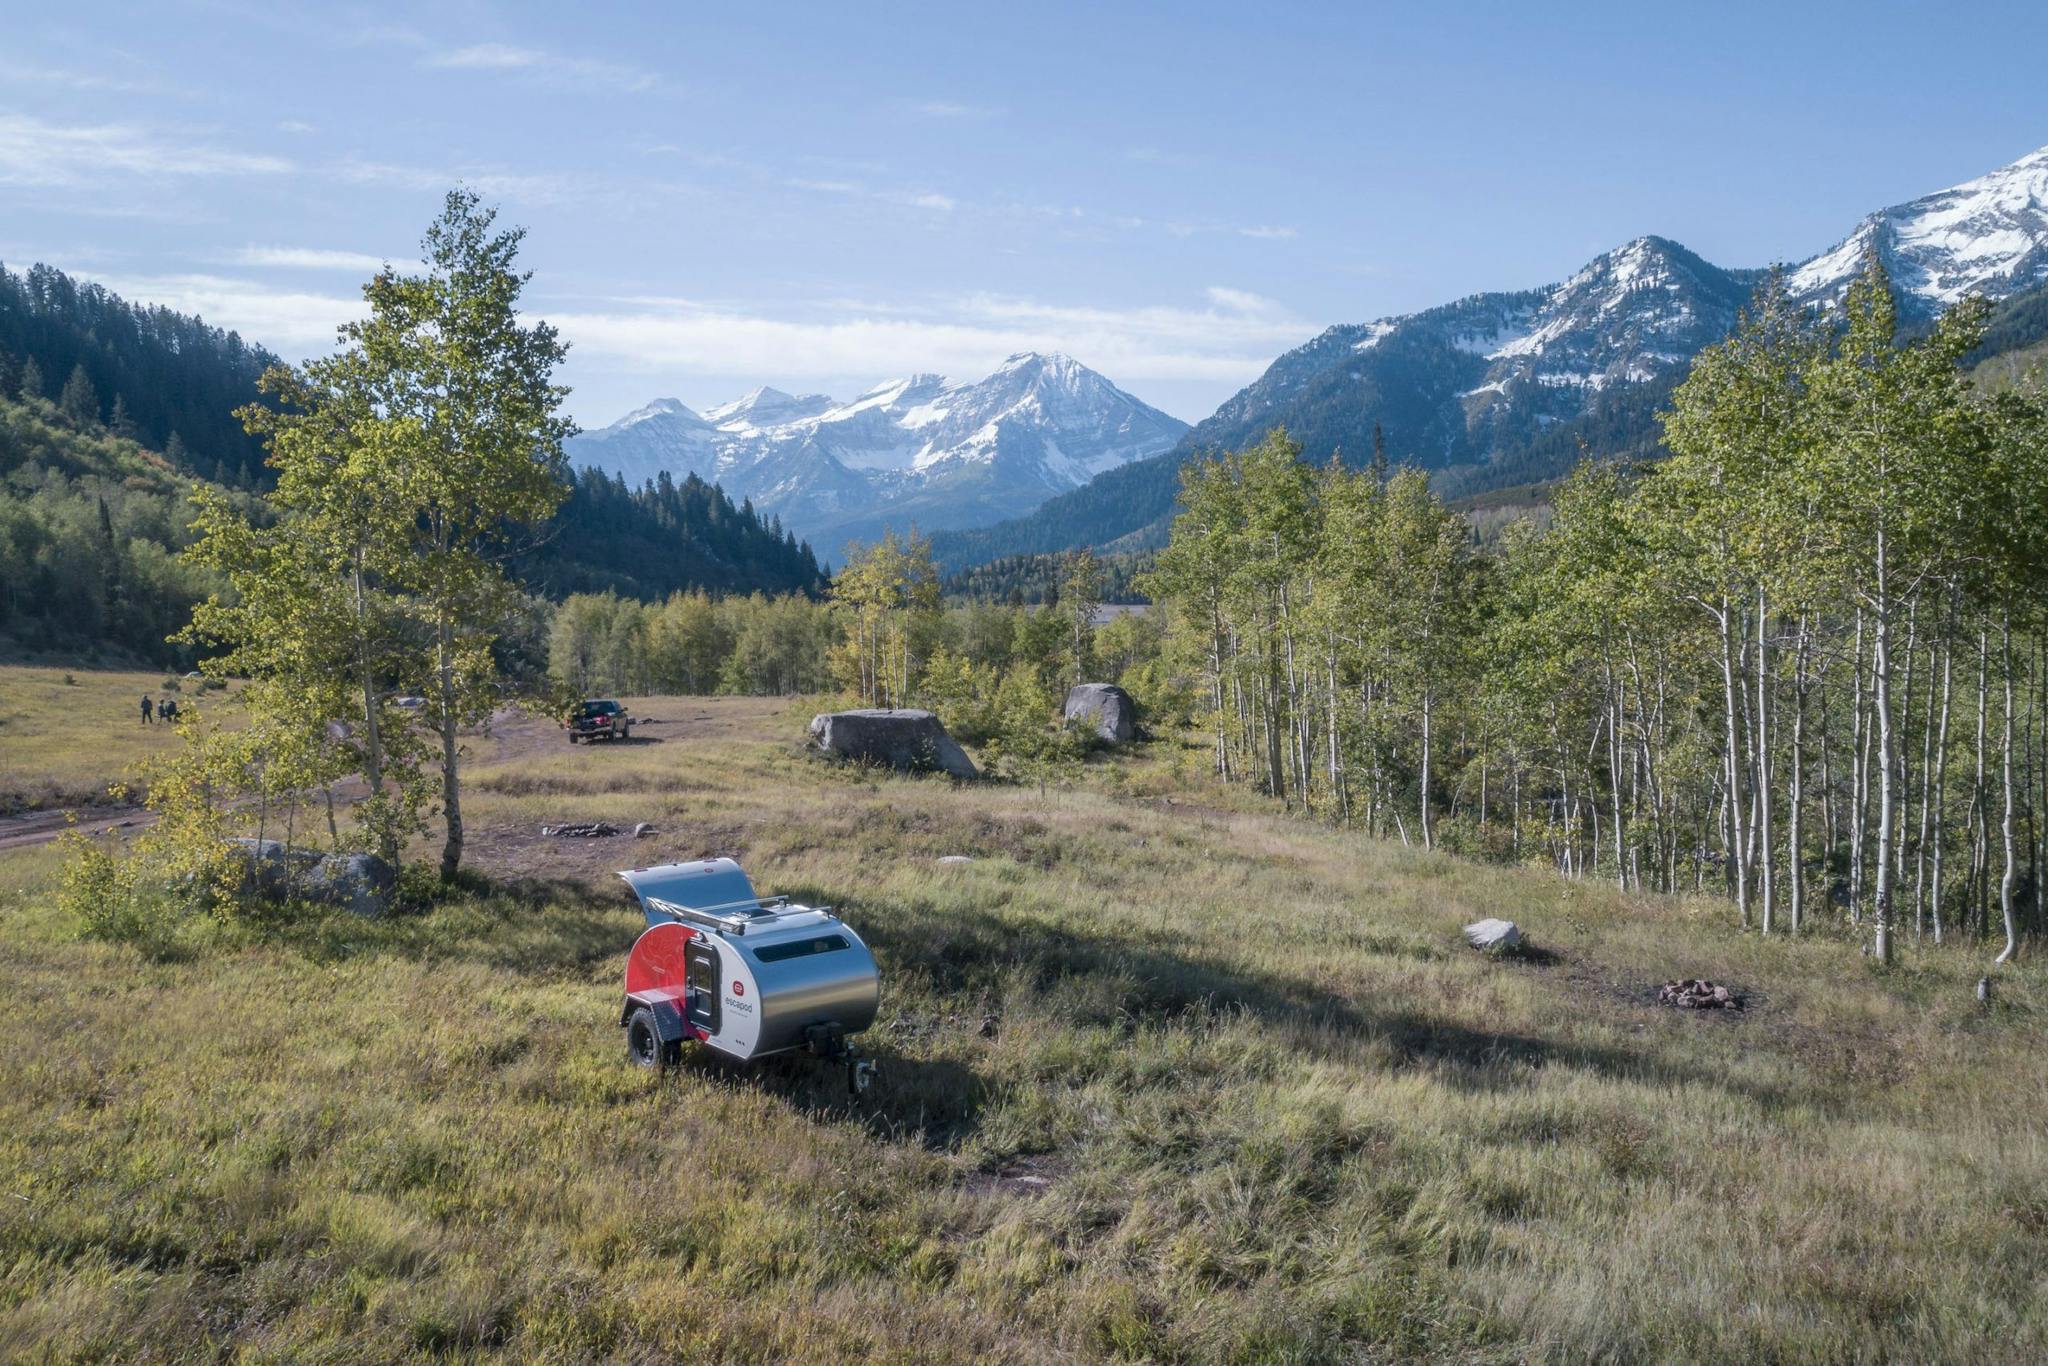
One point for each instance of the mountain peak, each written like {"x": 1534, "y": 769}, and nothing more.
{"x": 661, "y": 407}
{"x": 1985, "y": 236}
{"x": 765, "y": 406}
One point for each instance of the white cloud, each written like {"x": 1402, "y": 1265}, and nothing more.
{"x": 949, "y": 109}
{"x": 546, "y": 66}
{"x": 292, "y": 321}
{"x": 1267, "y": 232}
{"x": 33, "y": 152}
{"x": 851, "y": 189}
{"x": 96, "y": 81}
{"x": 295, "y": 126}
{"x": 1229, "y": 342}
{"x": 310, "y": 258}
{"x": 493, "y": 184}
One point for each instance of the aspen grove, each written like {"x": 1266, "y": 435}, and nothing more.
{"x": 1802, "y": 660}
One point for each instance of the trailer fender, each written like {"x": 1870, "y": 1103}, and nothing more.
{"x": 668, "y": 1017}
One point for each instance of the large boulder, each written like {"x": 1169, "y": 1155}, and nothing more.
{"x": 361, "y": 883}
{"x": 897, "y": 737}
{"x": 1104, "y": 708}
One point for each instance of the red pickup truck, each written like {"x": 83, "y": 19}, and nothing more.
{"x": 599, "y": 720}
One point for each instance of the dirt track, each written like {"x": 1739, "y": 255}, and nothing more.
{"x": 513, "y": 734}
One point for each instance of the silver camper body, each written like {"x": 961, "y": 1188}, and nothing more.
{"x": 762, "y": 975}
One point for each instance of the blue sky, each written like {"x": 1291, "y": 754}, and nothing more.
{"x": 821, "y": 196}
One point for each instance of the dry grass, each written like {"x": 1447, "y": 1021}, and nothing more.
{"x": 62, "y": 744}
{"x": 1248, "y": 1098}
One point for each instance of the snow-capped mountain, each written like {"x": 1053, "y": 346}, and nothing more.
{"x": 1986, "y": 236}
{"x": 1501, "y": 389}
{"x": 926, "y": 449}
{"x": 1456, "y": 384}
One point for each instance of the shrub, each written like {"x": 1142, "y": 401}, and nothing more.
{"x": 110, "y": 901}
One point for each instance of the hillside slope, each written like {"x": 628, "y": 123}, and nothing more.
{"x": 90, "y": 528}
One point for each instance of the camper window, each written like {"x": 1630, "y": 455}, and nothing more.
{"x": 800, "y": 948}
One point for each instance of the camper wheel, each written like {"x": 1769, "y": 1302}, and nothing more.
{"x": 644, "y": 1045}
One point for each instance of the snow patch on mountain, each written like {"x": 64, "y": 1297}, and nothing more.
{"x": 1985, "y": 236}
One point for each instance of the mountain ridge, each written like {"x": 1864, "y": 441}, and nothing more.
{"x": 920, "y": 448}
{"x": 1500, "y": 388}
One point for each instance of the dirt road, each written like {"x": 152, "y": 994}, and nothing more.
{"x": 513, "y": 735}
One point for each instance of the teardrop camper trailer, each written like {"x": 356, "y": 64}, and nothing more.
{"x": 746, "y": 975}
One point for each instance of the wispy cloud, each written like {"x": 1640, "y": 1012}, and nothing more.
{"x": 1268, "y": 232}
{"x": 532, "y": 188}
{"x": 950, "y": 109}
{"x": 33, "y": 152}
{"x": 102, "y": 82}
{"x": 853, "y": 189}
{"x": 309, "y": 258}
{"x": 551, "y": 67}
{"x": 295, "y": 126}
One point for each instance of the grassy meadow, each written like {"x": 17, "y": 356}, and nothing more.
{"x": 66, "y": 734}
{"x": 1164, "y": 1076}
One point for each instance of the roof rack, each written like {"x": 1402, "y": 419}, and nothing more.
{"x": 736, "y": 917}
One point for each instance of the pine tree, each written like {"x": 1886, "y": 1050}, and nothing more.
{"x": 119, "y": 422}
{"x": 31, "y": 384}
{"x": 79, "y": 402}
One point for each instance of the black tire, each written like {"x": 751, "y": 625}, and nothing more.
{"x": 572, "y": 737}
{"x": 644, "y": 1045}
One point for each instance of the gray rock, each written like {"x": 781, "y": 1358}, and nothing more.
{"x": 643, "y": 830}
{"x": 899, "y": 738}
{"x": 956, "y": 858}
{"x": 361, "y": 883}
{"x": 1494, "y": 936}
{"x": 1106, "y": 709}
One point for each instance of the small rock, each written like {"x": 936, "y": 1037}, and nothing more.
{"x": 1696, "y": 993}
{"x": 1494, "y": 936}
{"x": 643, "y": 830}
{"x": 955, "y": 858}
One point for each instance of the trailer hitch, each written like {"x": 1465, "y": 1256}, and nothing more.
{"x": 829, "y": 1041}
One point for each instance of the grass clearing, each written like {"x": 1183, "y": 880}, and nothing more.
{"x": 67, "y": 734}
{"x": 1247, "y": 1097}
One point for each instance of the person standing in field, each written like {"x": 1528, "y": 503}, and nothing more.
{"x": 146, "y": 709}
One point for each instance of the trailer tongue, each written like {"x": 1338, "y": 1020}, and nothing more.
{"x": 746, "y": 975}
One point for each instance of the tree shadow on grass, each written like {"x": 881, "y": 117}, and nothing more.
{"x": 976, "y": 955}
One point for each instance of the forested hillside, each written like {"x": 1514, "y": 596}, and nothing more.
{"x": 90, "y": 527}
{"x": 1028, "y": 580}
{"x": 112, "y": 414}
{"x": 165, "y": 380}
{"x": 663, "y": 538}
